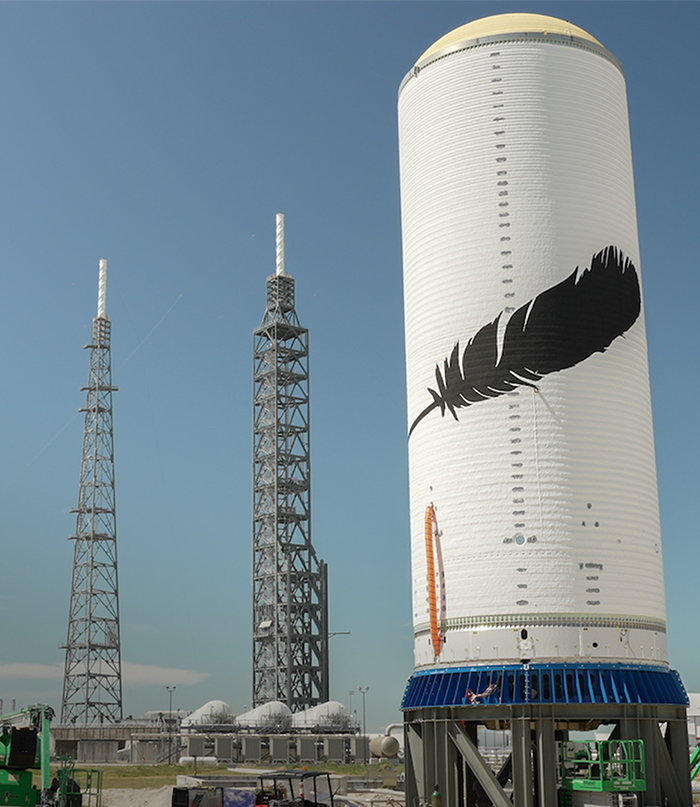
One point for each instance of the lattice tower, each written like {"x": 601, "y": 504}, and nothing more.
{"x": 290, "y": 602}
{"x": 92, "y": 683}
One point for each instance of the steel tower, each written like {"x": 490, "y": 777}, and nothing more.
{"x": 290, "y": 603}
{"x": 92, "y": 683}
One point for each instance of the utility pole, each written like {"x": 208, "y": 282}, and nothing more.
{"x": 170, "y": 689}
{"x": 363, "y": 690}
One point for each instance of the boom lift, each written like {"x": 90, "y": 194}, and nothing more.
{"x": 25, "y": 748}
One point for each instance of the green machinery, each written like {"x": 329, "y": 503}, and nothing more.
{"x": 76, "y": 787}
{"x": 25, "y": 749}
{"x": 603, "y": 766}
{"x": 695, "y": 762}
{"x": 608, "y": 766}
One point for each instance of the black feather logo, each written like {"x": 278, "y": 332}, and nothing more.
{"x": 558, "y": 329}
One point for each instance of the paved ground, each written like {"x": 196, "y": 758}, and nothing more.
{"x": 161, "y": 797}
{"x": 146, "y": 797}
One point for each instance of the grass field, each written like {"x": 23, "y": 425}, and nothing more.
{"x": 155, "y": 776}
{"x": 138, "y": 776}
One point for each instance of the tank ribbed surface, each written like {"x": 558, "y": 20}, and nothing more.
{"x": 516, "y": 171}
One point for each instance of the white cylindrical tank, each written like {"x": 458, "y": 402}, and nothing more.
{"x": 212, "y": 712}
{"x": 198, "y": 761}
{"x": 272, "y": 714}
{"x": 534, "y": 508}
{"x": 384, "y": 746}
{"x": 323, "y": 715}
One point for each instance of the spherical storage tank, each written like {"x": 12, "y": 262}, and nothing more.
{"x": 534, "y": 510}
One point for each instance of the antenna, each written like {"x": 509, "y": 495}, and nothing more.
{"x": 102, "y": 291}
{"x": 279, "y": 228}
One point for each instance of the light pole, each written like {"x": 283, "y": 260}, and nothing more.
{"x": 363, "y": 690}
{"x": 170, "y": 689}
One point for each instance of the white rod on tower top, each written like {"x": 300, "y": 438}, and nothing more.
{"x": 279, "y": 221}
{"x": 102, "y": 290}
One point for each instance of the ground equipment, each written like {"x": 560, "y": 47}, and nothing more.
{"x": 295, "y": 789}
{"x": 24, "y": 749}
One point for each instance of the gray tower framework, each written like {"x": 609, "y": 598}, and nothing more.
{"x": 290, "y": 603}
{"x": 92, "y": 683}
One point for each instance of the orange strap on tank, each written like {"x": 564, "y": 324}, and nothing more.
{"x": 430, "y": 525}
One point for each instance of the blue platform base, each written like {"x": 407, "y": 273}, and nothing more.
{"x": 544, "y": 683}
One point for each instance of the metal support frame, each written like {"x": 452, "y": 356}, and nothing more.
{"x": 534, "y": 732}
{"x": 92, "y": 682}
{"x": 290, "y": 598}
{"x": 546, "y": 756}
{"x": 523, "y": 792}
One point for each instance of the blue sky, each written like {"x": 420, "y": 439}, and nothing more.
{"x": 164, "y": 137}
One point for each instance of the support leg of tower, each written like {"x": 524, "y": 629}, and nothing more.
{"x": 546, "y": 763}
{"x": 469, "y": 778}
{"x": 454, "y": 784}
{"x": 523, "y": 793}
{"x": 415, "y": 776}
{"x": 431, "y": 767}
{"x": 677, "y": 744}
{"x": 673, "y": 788}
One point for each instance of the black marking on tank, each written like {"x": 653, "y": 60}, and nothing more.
{"x": 556, "y": 330}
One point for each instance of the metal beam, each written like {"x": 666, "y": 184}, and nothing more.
{"x": 477, "y": 765}
{"x": 671, "y": 787}
{"x": 431, "y": 767}
{"x": 453, "y": 793}
{"x": 546, "y": 763}
{"x": 415, "y": 775}
{"x": 648, "y": 730}
{"x": 677, "y": 744}
{"x": 523, "y": 792}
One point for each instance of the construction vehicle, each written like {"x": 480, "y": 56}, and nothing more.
{"x": 295, "y": 789}
{"x": 613, "y": 769}
{"x": 25, "y": 747}
{"x": 275, "y": 789}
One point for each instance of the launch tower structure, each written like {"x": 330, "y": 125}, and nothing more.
{"x": 290, "y": 600}
{"x": 92, "y": 682}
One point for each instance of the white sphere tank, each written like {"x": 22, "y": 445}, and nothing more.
{"x": 534, "y": 508}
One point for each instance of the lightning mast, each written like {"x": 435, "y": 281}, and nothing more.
{"x": 290, "y": 600}
{"x": 92, "y": 683}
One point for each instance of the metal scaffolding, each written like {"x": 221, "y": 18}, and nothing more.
{"x": 92, "y": 683}
{"x": 535, "y": 706}
{"x": 443, "y": 753}
{"x": 290, "y": 602}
